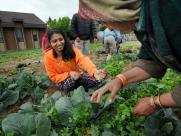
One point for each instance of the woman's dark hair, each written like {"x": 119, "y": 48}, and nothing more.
{"x": 68, "y": 51}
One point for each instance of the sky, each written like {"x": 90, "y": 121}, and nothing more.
{"x": 42, "y": 8}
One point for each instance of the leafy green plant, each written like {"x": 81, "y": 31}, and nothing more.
{"x": 164, "y": 122}
{"x": 114, "y": 66}
{"x": 26, "y": 124}
{"x": 17, "y": 88}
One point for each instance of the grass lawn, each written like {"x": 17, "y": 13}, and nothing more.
{"x": 133, "y": 45}
{"x": 32, "y": 54}
{"x": 130, "y": 45}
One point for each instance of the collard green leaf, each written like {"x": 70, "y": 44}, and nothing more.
{"x": 19, "y": 124}
{"x": 9, "y": 98}
{"x": 12, "y": 86}
{"x": 78, "y": 96}
{"x": 43, "y": 125}
{"x": 56, "y": 95}
{"x": 27, "y": 107}
{"x": 37, "y": 94}
{"x": 65, "y": 109}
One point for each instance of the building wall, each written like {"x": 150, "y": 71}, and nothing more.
{"x": 2, "y": 44}
{"x": 21, "y": 45}
{"x": 2, "y": 47}
{"x": 28, "y": 37}
{"x": 10, "y": 40}
{"x": 35, "y": 38}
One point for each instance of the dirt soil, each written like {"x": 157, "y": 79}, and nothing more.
{"x": 10, "y": 68}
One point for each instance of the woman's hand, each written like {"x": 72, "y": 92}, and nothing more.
{"x": 144, "y": 107}
{"x": 114, "y": 86}
{"x": 100, "y": 74}
{"x": 75, "y": 75}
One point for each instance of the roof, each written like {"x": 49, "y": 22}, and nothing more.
{"x": 29, "y": 20}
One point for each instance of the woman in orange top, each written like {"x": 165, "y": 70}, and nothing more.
{"x": 64, "y": 64}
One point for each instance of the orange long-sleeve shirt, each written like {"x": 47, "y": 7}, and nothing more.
{"x": 58, "y": 70}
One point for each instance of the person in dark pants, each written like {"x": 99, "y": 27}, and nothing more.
{"x": 152, "y": 21}
{"x": 83, "y": 31}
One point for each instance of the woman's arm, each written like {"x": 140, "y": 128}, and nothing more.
{"x": 85, "y": 63}
{"x": 55, "y": 76}
{"x": 136, "y": 74}
{"x": 133, "y": 75}
{"x": 166, "y": 100}
{"x": 149, "y": 105}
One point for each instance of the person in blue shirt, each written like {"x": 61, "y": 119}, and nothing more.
{"x": 111, "y": 39}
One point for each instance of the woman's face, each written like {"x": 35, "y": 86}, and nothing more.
{"x": 123, "y": 26}
{"x": 57, "y": 42}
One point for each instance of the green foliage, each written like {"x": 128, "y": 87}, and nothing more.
{"x": 26, "y": 124}
{"x": 20, "y": 56}
{"x": 163, "y": 123}
{"x": 10, "y": 134}
{"x": 19, "y": 124}
{"x": 130, "y": 46}
{"x": 31, "y": 84}
{"x": 96, "y": 47}
{"x": 114, "y": 66}
{"x": 65, "y": 109}
{"x": 61, "y": 23}
{"x": 65, "y": 132}
{"x": 17, "y": 88}
{"x": 8, "y": 98}
{"x": 130, "y": 56}
{"x": 76, "y": 115}
{"x": 43, "y": 125}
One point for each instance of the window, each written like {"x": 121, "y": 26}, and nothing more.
{"x": 1, "y": 36}
{"x": 19, "y": 35}
{"x": 35, "y": 37}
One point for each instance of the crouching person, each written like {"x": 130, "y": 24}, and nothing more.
{"x": 67, "y": 66}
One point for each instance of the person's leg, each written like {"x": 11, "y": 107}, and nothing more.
{"x": 110, "y": 44}
{"x": 86, "y": 44}
{"x": 117, "y": 47}
{"x": 100, "y": 36}
{"x": 67, "y": 85}
{"x": 79, "y": 45}
{"x": 87, "y": 81}
{"x": 106, "y": 45}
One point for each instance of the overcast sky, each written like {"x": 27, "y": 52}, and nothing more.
{"x": 42, "y": 8}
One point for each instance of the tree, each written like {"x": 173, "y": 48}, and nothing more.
{"x": 61, "y": 23}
